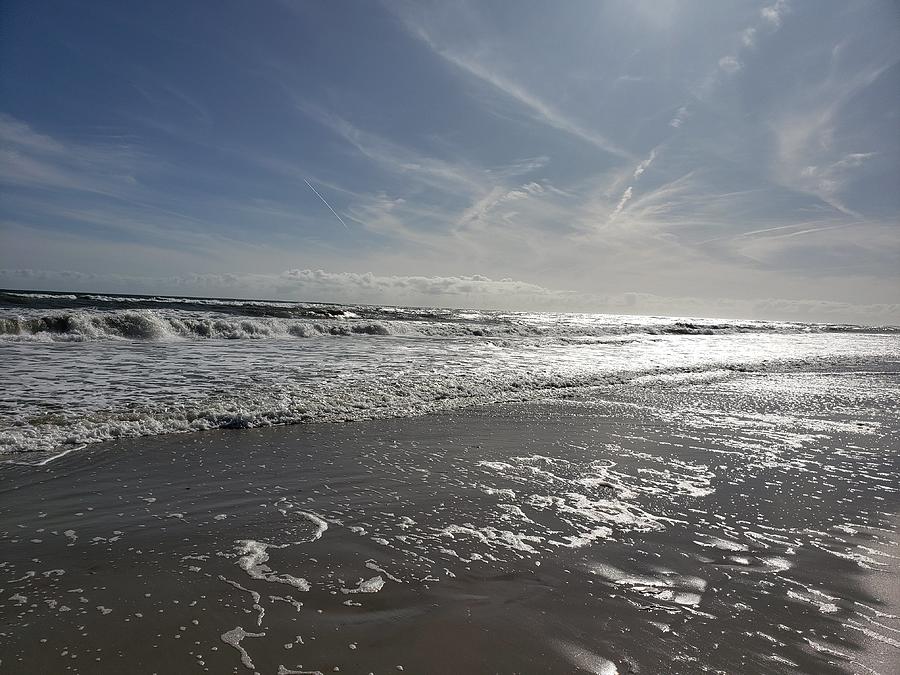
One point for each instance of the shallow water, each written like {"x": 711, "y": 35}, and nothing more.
{"x": 735, "y": 522}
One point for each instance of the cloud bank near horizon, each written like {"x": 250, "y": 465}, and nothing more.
{"x": 475, "y": 292}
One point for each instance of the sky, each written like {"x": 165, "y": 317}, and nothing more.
{"x": 641, "y": 156}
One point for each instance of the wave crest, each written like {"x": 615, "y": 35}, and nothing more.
{"x": 158, "y": 324}
{"x": 152, "y": 326}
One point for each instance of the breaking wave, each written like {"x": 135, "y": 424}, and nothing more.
{"x": 154, "y": 326}
{"x": 297, "y": 403}
{"x": 161, "y": 325}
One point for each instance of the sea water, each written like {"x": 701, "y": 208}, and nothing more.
{"x": 663, "y": 494}
{"x": 81, "y": 368}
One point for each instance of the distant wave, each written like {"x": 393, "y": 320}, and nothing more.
{"x": 77, "y": 317}
{"x": 42, "y": 296}
{"x": 161, "y": 325}
{"x": 30, "y": 301}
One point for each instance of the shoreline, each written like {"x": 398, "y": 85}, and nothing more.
{"x": 602, "y": 385}
{"x": 737, "y": 525}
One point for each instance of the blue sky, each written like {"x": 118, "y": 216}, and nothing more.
{"x": 717, "y": 157}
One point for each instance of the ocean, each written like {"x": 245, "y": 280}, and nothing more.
{"x": 81, "y": 368}
{"x": 206, "y": 485}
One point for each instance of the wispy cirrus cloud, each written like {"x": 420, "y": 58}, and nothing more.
{"x": 811, "y": 157}
{"x": 642, "y": 166}
{"x": 395, "y": 157}
{"x": 681, "y": 116}
{"x": 29, "y": 159}
{"x": 538, "y": 108}
{"x": 623, "y": 200}
{"x": 729, "y": 64}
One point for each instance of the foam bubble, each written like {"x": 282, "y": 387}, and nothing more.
{"x": 234, "y": 638}
{"x": 372, "y": 585}
{"x": 254, "y": 555}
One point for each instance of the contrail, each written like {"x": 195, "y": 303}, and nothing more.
{"x": 327, "y": 204}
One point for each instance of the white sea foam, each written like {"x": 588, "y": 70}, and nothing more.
{"x": 254, "y": 556}
{"x": 491, "y": 537}
{"x": 234, "y": 638}
{"x": 320, "y": 523}
{"x": 372, "y": 565}
{"x": 372, "y": 585}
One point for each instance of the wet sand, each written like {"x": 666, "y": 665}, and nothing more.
{"x": 742, "y": 526}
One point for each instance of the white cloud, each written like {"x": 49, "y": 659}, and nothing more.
{"x": 774, "y": 13}
{"x": 621, "y": 205}
{"x": 729, "y": 64}
{"x": 680, "y": 117}
{"x": 748, "y": 37}
{"x": 645, "y": 163}
{"x": 526, "y": 208}
{"x": 827, "y": 180}
{"x": 810, "y": 156}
